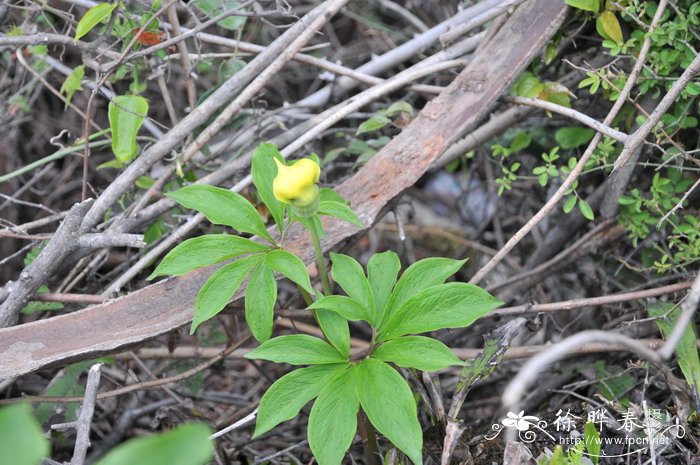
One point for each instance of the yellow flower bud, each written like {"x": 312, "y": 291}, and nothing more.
{"x": 296, "y": 185}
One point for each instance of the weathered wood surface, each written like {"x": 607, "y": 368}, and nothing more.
{"x": 161, "y": 307}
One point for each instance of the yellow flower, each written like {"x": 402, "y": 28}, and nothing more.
{"x": 296, "y": 185}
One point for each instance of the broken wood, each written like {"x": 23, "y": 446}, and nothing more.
{"x": 142, "y": 315}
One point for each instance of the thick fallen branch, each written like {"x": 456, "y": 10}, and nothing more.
{"x": 166, "y": 305}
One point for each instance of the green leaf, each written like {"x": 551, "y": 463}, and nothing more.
{"x": 570, "y": 204}
{"x": 686, "y": 351}
{"x": 398, "y": 107}
{"x": 592, "y": 439}
{"x": 286, "y": 397}
{"x": 375, "y": 123}
{"x": 219, "y": 288}
{"x": 452, "y": 305}
{"x": 264, "y": 171}
{"x": 297, "y": 349}
{"x": 382, "y": 271}
{"x": 419, "y": 352}
{"x": 202, "y": 251}
{"x": 73, "y": 83}
{"x": 221, "y": 206}
{"x": 188, "y": 444}
{"x": 348, "y": 273}
{"x": 347, "y": 307}
{"x": 260, "y": 298}
{"x": 528, "y": 85}
{"x": 586, "y": 209}
{"x": 290, "y": 266}
{"x": 214, "y": 8}
{"x": 339, "y": 210}
{"x": 65, "y": 384}
{"x": 609, "y": 23}
{"x": 333, "y": 419}
{"x": 388, "y": 402}
{"x": 336, "y": 330}
{"x": 421, "y": 275}
{"x": 126, "y": 114}
{"x": 573, "y": 136}
{"x": 93, "y": 17}
{"x": 586, "y": 5}
{"x": 34, "y": 306}
{"x": 22, "y": 441}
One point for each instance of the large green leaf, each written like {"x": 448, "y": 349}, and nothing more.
{"x": 188, "y": 444}
{"x": 213, "y": 8}
{"x": 586, "y": 5}
{"x": 388, "y": 402}
{"x": 221, "y": 206}
{"x": 93, "y": 17}
{"x": 204, "y": 251}
{"x": 573, "y": 136}
{"x": 333, "y": 419}
{"x": 421, "y": 275}
{"x": 336, "y": 330}
{"x": 219, "y": 288}
{"x": 382, "y": 271}
{"x": 452, "y": 305}
{"x": 264, "y": 171}
{"x": 419, "y": 352}
{"x": 285, "y": 398}
{"x": 21, "y": 440}
{"x": 686, "y": 350}
{"x": 290, "y": 266}
{"x": 126, "y": 114}
{"x": 347, "y": 307}
{"x": 348, "y": 273}
{"x": 260, "y": 298}
{"x": 297, "y": 349}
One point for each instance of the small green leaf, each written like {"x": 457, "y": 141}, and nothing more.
{"x": 347, "y": 307}
{"x": 22, "y": 442}
{"x": 333, "y": 419}
{"x": 286, "y": 397}
{"x": 297, "y": 349}
{"x": 388, "y": 402}
{"x": 586, "y": 5}
{"x": 375, "y": 123}
{"x": 339, "y": 210}
{"x": 221, "y": 206}
{"x": 452, "y": 305}
{"x": 348, "y": 273}
{"x": 73, "y": 83}
{"x": 592, "y": 439}
{"x": 219, "y": 288}
{"x": 188, "y": 444}
{"x": 528, "y": 85}
{"x": 586, "y": 209}
{"x": 419, "y": 352}
{"x": 260, "y": 298}
{"x": 573, "y": 136}
{"x": 290, "y": 266}
{"x": 214, "y": 8}
{"x": 398, "y": 107}
{"x": 570, "y": 204}
{"x": 336, "y": 330}
{"x": 611, "y": 26}
{"x": 264, "y": 171}
{"x": 686, "y": 350}
{"x": 93, "y": 17}
{"x": 382, "y": 271}
{"x": 126, "y": 114}
{"x": 421, "y": 275}
{"x": 202, "y": 251}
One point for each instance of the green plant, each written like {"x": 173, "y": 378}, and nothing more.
{"x": 343, "y": 383}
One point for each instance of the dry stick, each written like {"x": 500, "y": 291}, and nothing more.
{"x": 184, "y": 57}
{"x": 637, "y": 138}
{"x": 69, "y": 298}
{"x": 327, "y": 119}
{"x": 84, "y": 422}
{"x": 570, "y": 113}
{"x": 688, "y": 306}
{"x": 200, "y": 115}
{"x": 477, "y": 21}
{"x": 574, "y": 174}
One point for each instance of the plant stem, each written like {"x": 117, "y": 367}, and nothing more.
{"x": 322, "y": 270}
{"x": 369, "y": 437}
